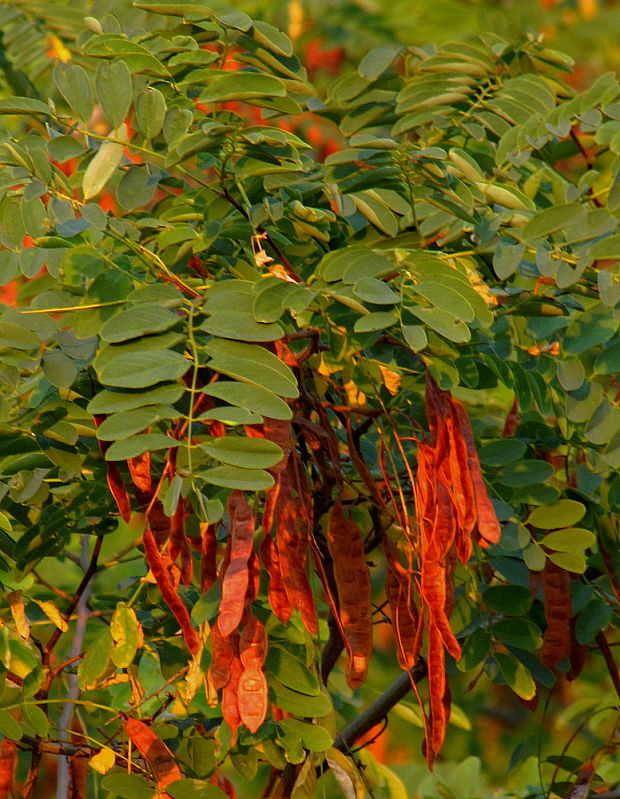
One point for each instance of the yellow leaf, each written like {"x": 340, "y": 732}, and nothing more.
{"x": 345, "y": 773}
{"x": 56, "y": 49}
{"x": 53, "y": 614}
{"x": 103, "y": 761}
{"x": 391, "y": 380}
{"x": 295, "y": 19}
{"x": 356, "y": 398}
{"x": 18, "y": 611}
{"x": 105, "y": 162}
{"x": 588, "y": 8}
{"x": 306, "y": 780}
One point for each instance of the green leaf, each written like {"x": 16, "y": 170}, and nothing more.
{"x": 608, "y": 247}
{"x": 128, "y": 423}
{"x": 376, "y": 212}
{"x": 114, "y": 91}
{"x": 104, "y": 163}
{"x": 150, "y": 111}
{"x": 127, "y": 786}
{"x": 605, "y": 364}
{"x": 17, "y": 337}
{"x": 132, "y": 447}
{"x": 313, "y": 737}
{"x": 249, "y": 453}
{"x": 37, "y": 719}
{"x": 573, "y": 539}
{"x": 376, "y": 61}
{"x": 270, "y": 301}
{"x": 591, "y": 620}
{"x": 235, "y": 477}
{"x": 176, "y": 123}
{"x": 63, "y": 148}
{"x": 297, "y": 703}
{"x": 107, "y": 401}
{"x": 525, "y": 473}
{"x": 511, "y": 600}
{"x": 194, "y": 789}
{"x": 564, "y": 513}
{"x": 23, "y": 105}
{"x": 9, "y": 727}
{"x": 242, "y": 85}
{"x": 291, "y": 671}
{"x": 124, "y": 629}
{"x": 137, "y": 321}
{"x": 232, "y": 416}
{"x": 553, "y": 219}
{"x": 9, "y": 266}
{"x": 95, "y": 661}
{"x": 507, "y": 258}
{"x": 475, "y": 650}
{"x": 571, "y": 561}
{"x": 59, "y": 369}
{"x": 353, "y": 263}
{"x": 442, "y": 322}
{"x": 376, "y": 291}
{"x": 142, "y": 369}
{"x": 250, "y": 397}
{"x": 518, "y": 632}
{"x": 503, "y": 452}
{"x": 72, "y": 82}
{"x": 415, "y": 337}
{"x": 516, "y": 675}
{"x": 241, "y": 326}
{"x": 135, "y": 188}
{"x": 378, "y": 320}
{"x": 252, "y": 364}
{"x": 447, "y": 299}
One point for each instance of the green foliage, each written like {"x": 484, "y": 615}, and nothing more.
{"x": 194, "y": 243}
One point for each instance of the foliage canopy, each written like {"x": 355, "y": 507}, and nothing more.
{"x": 233, "y": 371}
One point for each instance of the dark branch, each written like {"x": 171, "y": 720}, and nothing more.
{"x": 378, "y": 710}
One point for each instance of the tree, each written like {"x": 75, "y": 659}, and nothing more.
{"x": 257, "y": 404}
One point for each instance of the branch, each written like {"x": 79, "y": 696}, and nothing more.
{"x": 612, "y": 667}
{"x": 378, "y": 710}
{"x": 88, "y": 575}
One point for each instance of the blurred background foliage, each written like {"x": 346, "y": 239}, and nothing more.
{"x": 333, "y": 35}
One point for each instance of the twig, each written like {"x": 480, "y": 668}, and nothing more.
{"x": 88, "y": 575}
{"x": 275, "y": 247}
{"x": 33, "y": 773}
{"x": 378, "y": 710}
{"x": 612, "y": 666}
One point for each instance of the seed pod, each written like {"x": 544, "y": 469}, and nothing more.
{"x": 462, "y": 489}
{"x": 354, "y": 592}
{"x": 140, "y": 471}
{"x": 488, "y": 526}
{"x": 115, "y": 481}
{"x": 276, "y": 592}
{"x": 158, "y": 757}
{"x": 230, "y": 694}
{"x": 252, "y": 697}
{"x": 236, "y": 576}
{"x": 398, "y": 590}
{"x": 433, "y": 589}
{"x": 179, "y": 544}
{"x": 436, "y": 671}
{"x": 159, "y": 523}
{"x": 293, "y": 536}
{"x": 171, "y": 598}
{"x": 269, "y": 508}
{"x": 208, "y": 565}
{"x": 8, "y": 765}
{"x": 222, "y": 652}
{"x": 556, "y": 638}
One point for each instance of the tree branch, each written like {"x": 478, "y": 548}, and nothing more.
{"x": 378, "y": 710}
